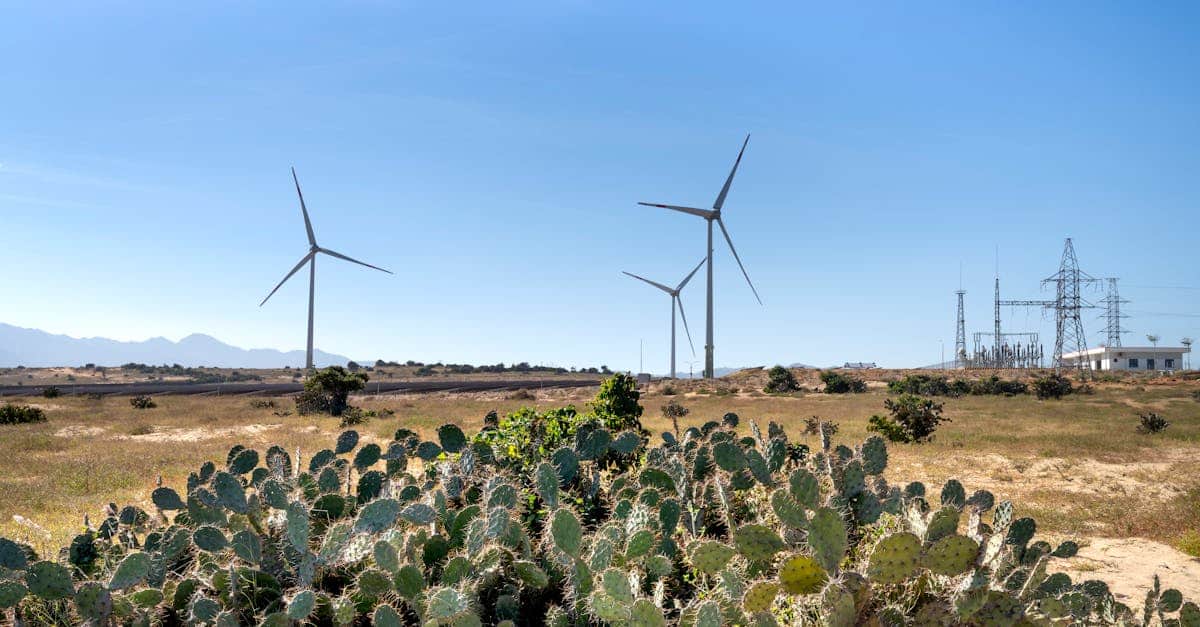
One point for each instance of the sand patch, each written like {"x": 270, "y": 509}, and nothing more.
{"x": 1128, "y": 565}
{"x": 176, "y": 434}
{"x": 76, "y": 431}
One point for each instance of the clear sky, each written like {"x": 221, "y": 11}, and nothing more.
{"x": 492, "y": 154}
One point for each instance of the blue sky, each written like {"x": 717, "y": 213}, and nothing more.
{"x": 491, "y": 155}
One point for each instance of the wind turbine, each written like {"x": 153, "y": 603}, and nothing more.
{"x": 714, "y": 215}
{"x": 311, "y": 259}
{"x": 674, "y": 299}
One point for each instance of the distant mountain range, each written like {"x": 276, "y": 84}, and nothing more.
{"x": 35, "y": 348}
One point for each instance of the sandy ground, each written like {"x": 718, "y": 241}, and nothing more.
{"x": 1129, "y": 565}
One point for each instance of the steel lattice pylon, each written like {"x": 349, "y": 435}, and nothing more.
{"x": 1112, "y": 314}
{"x": 1068, "y": 303}
{"x": 960, "y": 334}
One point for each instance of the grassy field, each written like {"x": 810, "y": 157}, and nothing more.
{"x": 1077, "y": 465}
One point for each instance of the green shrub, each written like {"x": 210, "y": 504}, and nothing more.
{"x": 1150, "y": 422}
{"x": 674, "y": 411}
{"x": 912, "y": 419}
{"x": 11, "y": 414}
{"x": 838, "y": 383}
{"x": 142, "y": 402}
{"x": 995, "y": 386}
{"x": 51, "y": 391}
{"x": 780, "y": 380}
{"x": 1052, "y": 386}
{"x": 262, "y": 403}
{"x": 923, "y": 384}
{"x": 617, "y": 403}
{"x": 1196, "y": 395}
{"x": 327, "y": 391}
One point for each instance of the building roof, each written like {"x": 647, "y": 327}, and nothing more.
{"x": 1105, "y": 350}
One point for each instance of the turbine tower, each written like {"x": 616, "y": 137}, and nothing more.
{"x": 710, "y": 216}
{"x": 311, "y": 259}
{"x": 675, "y": 299}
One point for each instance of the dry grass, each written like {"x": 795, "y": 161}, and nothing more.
{"x": 1076, "y": 465}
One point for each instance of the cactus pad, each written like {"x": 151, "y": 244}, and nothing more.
{"x": 301, "y": 605}
{"x": 94, "y": 602}
{"x": 452, "y": 438}
{"x": 757, "y": 543}
{"x": 827, "y": 537}
{"x": 643, "y": 613}
{"x": 874, "y": 455}
{"x": 729, "y": 456}
{"x": 346, "y": 442}
{"x": 943, "y": 523}
{"x": 708, "y": 614}
{"x": 760, "y": 596}
{"x": 894, "y": 558}
{"x": 11, "y": 593}
{"x": 50, "y": 580}
{"x": 546, "y": 482}
{"x": 951, "y": 555}
{"x": 415, "y": 513}
{"x": 567, "y": 532}
{"x": 804, "y": 488}
{"x": 167, "y": 499}
{"x": 210, "y": 539}
{"x": 428, "y": 451}
{"x": 531, "y": 574}
{"x": 710, "y": 556}
{"x": 131, "y": 571}
{"x": 801, "y": 574}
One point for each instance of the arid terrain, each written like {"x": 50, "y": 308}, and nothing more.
{"x": 1076, "y": 465}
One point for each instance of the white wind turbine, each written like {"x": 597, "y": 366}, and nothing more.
{"x": 311, "y": 259}
{"x": 675, "y": 299}
{"x": 714, "y": 215}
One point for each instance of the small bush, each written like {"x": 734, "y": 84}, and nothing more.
{"x": 262, "y": 403}
{"x": 617, "y": 402}
{"x": 780, "y": 380}
{"x": 522, "y": 395}
{"x": 1150, "y": 422}
{"x": 52, "y": 392}
{"x": 1196, "y": 396}
{"x": 1052, "y": 386}
{"x": 140, "y": 429}
{"x": 142, "y": 402}
{"x": 838, "y": 383}
{"x": 923, "y": 384}
{"x": 353, "y": 416}
{"x": 667, "y": 390}
{"x": 327, "y": 391}
{"x": 674, "y": 411}
{"x": 11, "y": 414}
{"x": 813, "y": 426}
{"x": 995, "y": 386}
{"x": 913, "y": 419}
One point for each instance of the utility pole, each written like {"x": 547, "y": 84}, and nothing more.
{"x": 1112, "y": 314}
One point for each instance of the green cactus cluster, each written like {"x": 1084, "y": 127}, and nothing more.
{"x": 711, "y": 527}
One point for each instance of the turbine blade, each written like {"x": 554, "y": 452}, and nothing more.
{"x": 691, "y": 274}
{"x": 729, "y": 181}
{"x": 341, "y": 256}
{"x": 312, "y": 239}
{"x": 679, "y": 299}
{"x": 655, "y": 284}
{"x": 739, "y": 260}
{"x": 703, "y": 213}
{"x": 303, "y": 261}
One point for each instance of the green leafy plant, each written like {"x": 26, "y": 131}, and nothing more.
{"x": 617, "y": 402}
{"x": 913, "y": 419}
{"x": 838, "y": 383}
{"x": 51, "y": 391}
{"x": 1051, "y": 386}
{"x": 12, "y": 414}
{"x": 1150, "y": 423}
{"x": 327, "y": 391}
{"x": 780, "y": 380}
{"x": 142, "y": 402}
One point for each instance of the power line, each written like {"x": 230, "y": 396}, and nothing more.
{"x": 1165, "y": 287}
{"x": 1165, "y": 313}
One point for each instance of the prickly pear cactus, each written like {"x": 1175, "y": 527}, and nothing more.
{"x": 566, "y": 519}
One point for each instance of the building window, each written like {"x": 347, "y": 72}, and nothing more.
{"x": 1169, "y": 363}
{"x": 1133, "y": 362}
{"x": 1150, "y": 364}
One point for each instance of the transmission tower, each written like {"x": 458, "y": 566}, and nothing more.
{"x": 1112, "y": 314}
{"x": 1187, "y": 353}
{"x": 1068, "y": 303}
{"x": 960, "y": 334}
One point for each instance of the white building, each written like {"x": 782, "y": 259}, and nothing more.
{"x": 1142, "y": 358}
